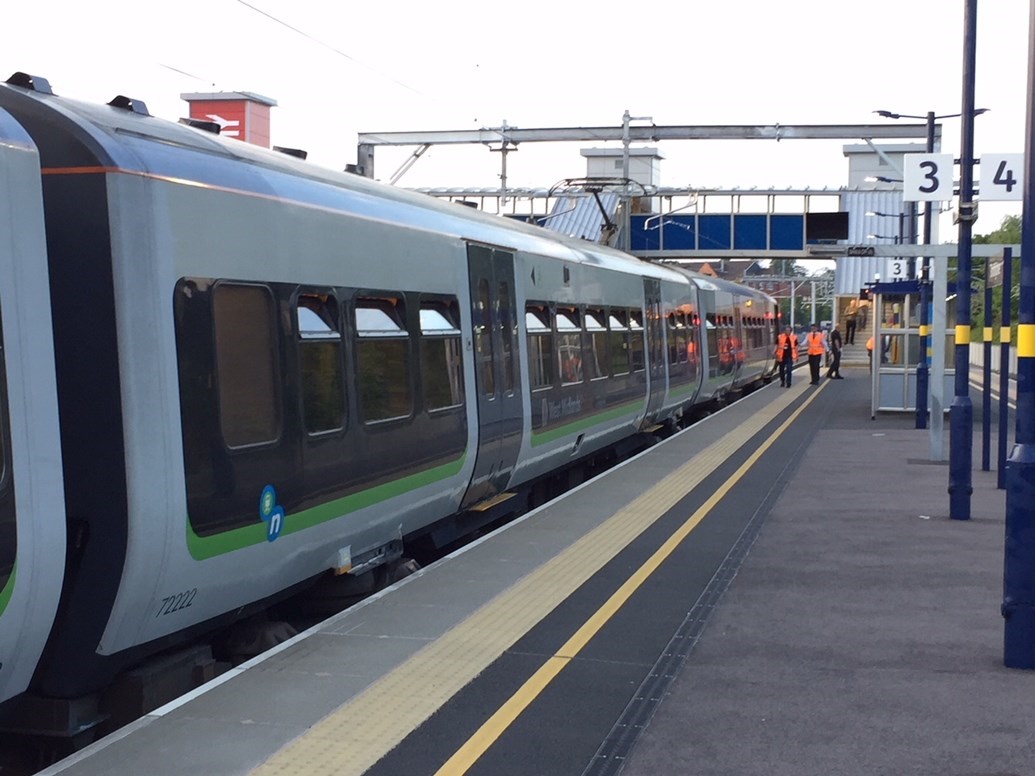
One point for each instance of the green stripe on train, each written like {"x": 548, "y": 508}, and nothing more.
{"x": 8, "y": 591}
{"x": 553, "y": 434}
{"x": 203, "y": 547}
{"x": 682, "y": 390}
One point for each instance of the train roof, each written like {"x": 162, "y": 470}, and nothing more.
{"x": 122, "y": 136}
{"x": 709, "y": 283}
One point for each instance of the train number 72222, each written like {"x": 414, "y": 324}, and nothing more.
{"x": 173, "y": 603}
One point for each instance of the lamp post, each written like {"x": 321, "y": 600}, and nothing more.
{"x": 924, "y": 276}
{"x": 1019, "y": 570}
{"x": 961, "y": 414}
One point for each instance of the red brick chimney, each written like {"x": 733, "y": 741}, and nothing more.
{"x": 244, "y": 115}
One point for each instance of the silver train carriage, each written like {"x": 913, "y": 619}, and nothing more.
{"x": 740, "y": 327}
{"x": 268, "y": 372}
{"x": 32, "y": 507}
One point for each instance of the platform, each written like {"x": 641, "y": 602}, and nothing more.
{"x": 863, "y": 635}
{"x": 777, "y": 590}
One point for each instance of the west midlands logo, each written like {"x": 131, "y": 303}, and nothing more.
{"x": 271, "y": 513}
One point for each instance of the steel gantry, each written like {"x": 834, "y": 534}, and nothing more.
{"x": 507, "y": 137}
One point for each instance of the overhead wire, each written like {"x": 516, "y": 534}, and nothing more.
{"x": 329, "y": 47}
{"x": 345, "y": 55}
{"x": 189, "y": 75}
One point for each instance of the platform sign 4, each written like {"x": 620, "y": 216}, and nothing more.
{"x": 1002, "y": 177}
{"x": 927, "y": 177}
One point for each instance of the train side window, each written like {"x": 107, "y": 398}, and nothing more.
{"x": 382, "y": 359}
{"x": 320, "y": 356}
{"x": 687, "y": 337}
{"x": 441, "y": 361}
{"x": 713, "y": 344}
{"x": 726, "y": 345}
{"x": 246, "y": 364}
{"x": 569, "y": 346}
{"x": 618, "y": 339}
{"x": 671, "y": 326}
{"x": 506, "y": 321}
{"x": 693, "y": 342}
{"x": 483, "y": 339}
{"x": 596, "y": 358}
{"x": 680, "y": 338}
{"x": 540, "y": 346}
{"x": 636, "y": 339}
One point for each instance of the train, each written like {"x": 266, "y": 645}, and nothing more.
{"x": 228, "y": 373}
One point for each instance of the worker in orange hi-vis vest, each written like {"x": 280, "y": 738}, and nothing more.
{"x": 817, "y": 346}
{"x": 786, "y": 354}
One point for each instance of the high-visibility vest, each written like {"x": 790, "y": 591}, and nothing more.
{"x": 781, "y": 343}
{"x": 816, "y": 346}
{"x": 869, "y": 344}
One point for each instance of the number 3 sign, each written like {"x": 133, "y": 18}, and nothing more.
{"x": 928, "y": 177}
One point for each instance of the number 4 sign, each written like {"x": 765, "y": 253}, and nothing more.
{"x": 1002, "y": 177}
{"x": 927, "y": 177}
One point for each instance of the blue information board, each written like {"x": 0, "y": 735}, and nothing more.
{"x": 719, "y": 232}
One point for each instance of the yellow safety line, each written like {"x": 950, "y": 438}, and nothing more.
{"x": 467, "y": 755}
{"x": 351, "y": 739}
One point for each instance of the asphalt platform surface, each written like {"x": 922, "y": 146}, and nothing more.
{"x": 863, "y": 634}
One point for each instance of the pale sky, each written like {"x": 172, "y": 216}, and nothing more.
{"x": 337, "y": 69}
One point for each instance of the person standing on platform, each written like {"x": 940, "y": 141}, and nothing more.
{"x": 851, "y": 319}
{"x": 834, "y": 342}
{"x": 786, "y": 354}
{"x": 817, "y": 346}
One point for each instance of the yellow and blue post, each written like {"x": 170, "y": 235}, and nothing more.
{"x": 1019, "y": 567}
{"x": 961, "y": 413}
{"x": 986, "y": 375}
{"x": 924, "y": 276}
{"x": 1004, "y": 369}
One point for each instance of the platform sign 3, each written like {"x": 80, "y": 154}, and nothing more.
{"x": 1002, "y": 177}
{"x": 896, "y": 268}
{"x": 927, "y": 177}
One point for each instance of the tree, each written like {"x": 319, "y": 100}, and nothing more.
{"x": 1008, "y": 233}
{"x": 787, "y": 268}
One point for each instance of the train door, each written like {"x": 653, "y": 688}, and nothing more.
{"x": 773, "y": 335}
{"x": 737, "y": 337}
{"x": 655, "y": 345}
{"x": 497, "y": 380}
